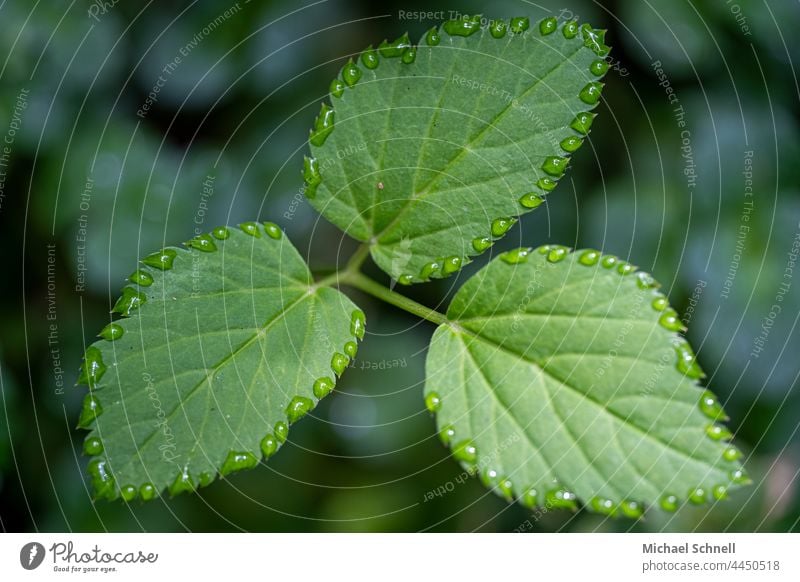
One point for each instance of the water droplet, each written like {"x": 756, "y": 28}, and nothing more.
{"x": 632, "y": 509}
{"x": 351, "y": 73}
{"x": 102, "y": 480}
{"x": 129, "y": 301}
{"x": 669, "y": 320}
{"x": 92, "y": 446}
{"x": 594, "y": 39}
{"x": 646, "y": 281}
{"x": 547, "y": 184}
{"x": 90, "y": 410}
{"x": 710, "y": 406}
{"x": 506, "y": 488}
{"x": 323, "y": 386}
{"x": 323, "y": 126}
{"x": 731, "y": 454}
{"x": 589, "y": 257}
{"x": 463, "y": 26}
{"x": 237, "y": 461}
{"x": 203, "y": 243}
{"x": 128, "y": 492}
{"x": 311, "y": 175}
{"x": 205, "y": 479}
{"x": 557, "y": 253}
{"x": 298, "y": 407}
{"x": 669, "y": 503}
{"x": 339, "y": 363}
{"x": 531, "y": 200}
{"x": 500, "y": 226}
{"x": 432, "y": 37}
{"x": 358, "y": 324}
{"x": 337, "y": 87}
{"x": 481, "y": 243}
{"x": 433, "y": 402}
{"x": 660, "y": 303}
{"x": 112, "y": 332}
{"x": 141, "y": 278}
{"x": 570, "y": 29}
{"x": 697, "y": 496}
{"x": 429, "y": 269}
{"x": 147, "y": 491}
{"x": 624, "y": 268}
{"x": 583, "y": 122}
{"x": 250, "y": 228}
{"x": 221, "y": 233}
{"x": 465, "y": 451}
{"x": 351, "y": 349}
{"x": 530, "y": 498}
{"x": 269, "y": 446}
{"x": 520, "y": 24}
{"x": 409, "y": 55}
{"x": 604, "y": 506}
{"x": 406, "y": 279}
{"x": 561, "y": 499}
{"x": 498, "y": 28}
{"x": 281, "y": 431}
{"x": 370, "y": 58}
{"x": 571, "y": 144}
{"x": 183, "y": 482}
{"x": 555, "y": 165}
{"x": 273, "y": 230}
{"x": 516, "y": 256}
{"x": 544, "y": 249}
{"x": 447, "y": 434}
{"x": 395, "y": 49}
{"x": 720, "y": 492}
{"x": 717, "y": 432}
{"x": 599, "y": 67}
{"x": 739, "y": 477}
{"x": 548, "y": 26}
{"x": 488, "y": 478}
{"x": 451, "y": 265}
{"x": 161, "y": 260}
{"x": 590, "y": 94}
{"x": 687, "y": 363}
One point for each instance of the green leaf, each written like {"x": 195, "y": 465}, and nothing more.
{"x": 429, "y": 152}
{"x": 222, "y": 346}
{"x": 561, "y": 376}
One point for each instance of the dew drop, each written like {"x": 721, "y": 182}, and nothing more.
{"x": 464, "y": 26}
{"x": 250, "y": 228}
{"x": 481, "y": 243}
{"x": 669, "y": 320}
{"x": 351, "y": 73}
{"x": 659, "y": 303}
{"x": 281, "y": 431}
{"x": 720, "y": 492}
{"x": 323, "y": 386}
{"x": 269, "y": 446}
{"x": 358, "y": 324}
{"x": 583, "y": 122}
{"x": 112, "y": 332}
{"x": 531, "y": 200}
{"x": 203, "y": 243}
{"x": 465, "y": 451}
{"x": 561, "y": 499}
{"x": 102, "y": 480}
{"x": 697, "y": 496}
{"x": 506, "y": 488}
{"x": 237, "y": 461}
{"x": 395, "y": 49}
{"x": 590, "y": 94}
{"x": 406, "y": 279}
{"x": 739, "y": 477}
{"x": 710, "y": 406}
{"x": 339, "y": 363}
{"x": 370, "y": 58}
{"x": 548, "y": 26}
{"x": 183, "y": 482}
{"x": 571, "y": 144}
{"x": 311, "y": 174}
{"x": 687, "y": 363}
{"x": 570, "y": 29}
{"x": 604, "y": 506}
{"x": 433, "y": 402}
{"x": 599, "y": 67}
{"x": 141, "y": 278}
{"x": 546, "y": 184}
{"x": 221, "y": 233}
{"x": 161, "y": 260}
{"x": 609, "y": 261}
{"x": 128, "y": 492}
{"x": 544, "y": 249}
{"x": 432, "y": 37}
{"x": 298, "y": 407}
{"x": 92, "y": 446}
{"x": 516, "y": 256}
{"x": 90, "y": 410}
{"x": 500, "y": 226}
{"x": 520, "y": 24}
{"x": 530, "y": 498}
{"x": 498, "y": 28}
{"x": 351, "y": 349}
{"x": 337, "y": 88}
{"x": 624, "y": 268}
{"x": 451, "y": 265}
{"x": 632, "y": 509}
{"x": 589, "y": 257}
{"x": 669, "y": 503}
{"x": 147, "y": 491}
{"x": 205, "y": 479}
{"x": 129, "y": 301}
{"x": 273, "y": 230}
{"x": 557, "y": 254}
{"x": 594, "y": 39}
{"x": 429, "y": 269}
{"x": 645, "y": 281}
{"x": 323, "y": 126}
{"x": 409, "y": 56}
{"x": 447, "y": 433}
{"x": 555, "y": 165}
{"x": 717, "y": 432}
{"x": 731, "y": 454}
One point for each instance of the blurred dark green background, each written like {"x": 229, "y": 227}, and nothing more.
{"x": 238, "y": 108}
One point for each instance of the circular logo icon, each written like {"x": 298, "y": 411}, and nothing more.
{"x": 31, "y": 555}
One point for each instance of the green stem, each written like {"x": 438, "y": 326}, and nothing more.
{"x": 367, "y": 285}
